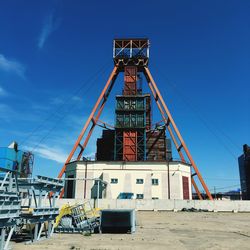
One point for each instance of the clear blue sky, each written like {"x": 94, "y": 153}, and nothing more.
{"x": 51, "y": 51}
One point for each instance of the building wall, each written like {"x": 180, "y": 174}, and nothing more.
{"x": 244, "y": 168}
{"x": 127, "y": 174}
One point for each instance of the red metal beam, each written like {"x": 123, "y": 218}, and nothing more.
{"x": 196, "y": 188}
{"x": 171, "y": 120}
{"x": 95, "y": 120}
{"x": 165, "y": 119}
{"x": 91, "y": 116}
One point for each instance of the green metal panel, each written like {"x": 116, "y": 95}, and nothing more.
{"x": 131, "y": 116}
{"x": 130, "y": 103}
{"x": 130, "y": 120}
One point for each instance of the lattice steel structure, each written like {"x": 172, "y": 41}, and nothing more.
{"x": 130, "y": 127}
{"x": 134, "y": 53}
{"x": 25, "y": 202}
{"x": 39, "y": 208}
{"x": 10, "y": 205}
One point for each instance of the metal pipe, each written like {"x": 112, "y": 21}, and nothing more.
{"x": 168, "y": 181}
{"x": 98, "y": 193}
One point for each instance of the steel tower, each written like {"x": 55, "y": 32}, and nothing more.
{"x": 133, "y": 118}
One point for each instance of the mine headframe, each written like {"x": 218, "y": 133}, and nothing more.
{"x": 131, "y": 56}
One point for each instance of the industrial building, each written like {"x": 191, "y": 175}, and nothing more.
{"x": 244, "y": 167}
{"x": 126, "y": 179}
{"x": 133, "y": 156}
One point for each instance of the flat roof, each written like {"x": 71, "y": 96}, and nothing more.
{"x": 131, "y": 162}
{"x": 128, "y": 39}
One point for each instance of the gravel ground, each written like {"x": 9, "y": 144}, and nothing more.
{"x": 163, "y": 230}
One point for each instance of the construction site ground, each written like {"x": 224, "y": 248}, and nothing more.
{"x": 163, "y": 230}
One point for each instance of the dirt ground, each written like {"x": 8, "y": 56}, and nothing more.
{"x": 162, "y": 230}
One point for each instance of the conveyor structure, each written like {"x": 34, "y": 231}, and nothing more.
{"x": 27, "y": 206}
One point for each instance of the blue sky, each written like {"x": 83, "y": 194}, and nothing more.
{"x": 55, "y": 57}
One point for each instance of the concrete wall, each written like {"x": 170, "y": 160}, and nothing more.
{"x": 166, "y": 205}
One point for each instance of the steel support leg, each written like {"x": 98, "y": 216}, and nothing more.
{"x": 36, "y": 232}
{"x": 196, "y": 189}
{"x": 3, "y": 232}
{"x": 91, "y": 118}
{"x": 52, "y": 228}
{"x": 169, "y": 120}
{"x": 40, "y": 231}
{"x": 8, "y": 239}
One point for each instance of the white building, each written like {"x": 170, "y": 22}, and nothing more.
{"x": 145, "y": 180}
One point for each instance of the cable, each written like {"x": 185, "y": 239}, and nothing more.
{"x": 58, "y": 120}
{"x": 220, "y": 179}
{"x": 221, "y": 188}
{"x": 192, "y": 107}
{"x": 60, "y": 107}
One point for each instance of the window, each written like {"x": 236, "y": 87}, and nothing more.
{"x": 139, "y": 196}
{"x": 155, "y": 182}
{"x": 114, "y": 181}
{"x": 139, "y": 181}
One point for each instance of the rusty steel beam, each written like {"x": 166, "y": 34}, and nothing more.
{"x": 169, "y": 116}
{"x": 104, "y": 124}
{"x": 165, "y": 120}
{"x": 94, "y": 123}
{"x": 196, "y": 188}
{"x": 78, "y": 141}
{"x": 95, "y": 120}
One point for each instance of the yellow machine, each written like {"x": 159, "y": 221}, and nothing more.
{"x": 77, "y": 218}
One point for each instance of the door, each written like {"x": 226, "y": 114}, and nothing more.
{"x": 185, "y": 186}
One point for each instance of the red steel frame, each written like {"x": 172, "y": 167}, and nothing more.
{"x": 130, "y": 137}
{"x": 130, "y": 145}
{"x": 130, "y": 80}
{"x": 94, "y": 119}
{"x": 167, "y": 117}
